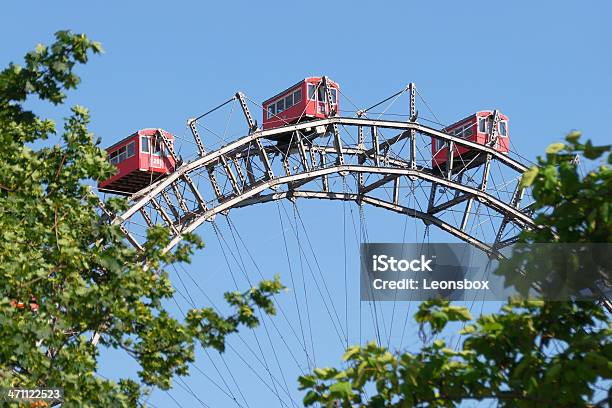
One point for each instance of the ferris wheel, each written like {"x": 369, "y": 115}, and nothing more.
{"x": 319, "y": 177}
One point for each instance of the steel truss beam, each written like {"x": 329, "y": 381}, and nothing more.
{"x": 196, "y": 136}
{"x": 486, "y": 199}
{"x": 377, "y": 202}
{"x": 314, "y": 165}
{"x": 257, "y": 136}
{"x": 247, "y": 113}
{"x": 413, "y": 118}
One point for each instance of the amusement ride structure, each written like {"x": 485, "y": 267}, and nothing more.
{"x": 463, "y": 179}
{"x": 302, "y": 144}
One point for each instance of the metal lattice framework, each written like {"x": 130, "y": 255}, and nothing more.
{"x": 383, "y": 163}
{"x": 476, "y": 197}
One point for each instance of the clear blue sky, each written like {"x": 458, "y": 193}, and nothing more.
{"x": 545, "y": 64}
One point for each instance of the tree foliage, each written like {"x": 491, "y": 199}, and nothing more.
{"x": 65, "y": 273}
{"x": 571, "y": 209}
{"x": 531, "y": 353}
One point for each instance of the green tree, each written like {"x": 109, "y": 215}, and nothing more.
{"x": 65, "y": 273}
{"x": 531, "y": 353}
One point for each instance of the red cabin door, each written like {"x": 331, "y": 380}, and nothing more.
{"x": 322, "y": 107}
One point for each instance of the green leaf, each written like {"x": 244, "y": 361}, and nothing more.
{"x": 529, "y": 176}
{"x": 40, "y": 48}
{"x": 341, "y": 389}
{"x": 555, "y": 148}
{"x": 460, "y": 313}
{"x": 594, "y": 152}
{"x": 307, "y": 381}
{"x": 350, "y": 352}
{"x": 97, "y": 47}
{"x": 324, "y": 373}
{"x": 573, "y": 136}
{"x": 310, "y": 398}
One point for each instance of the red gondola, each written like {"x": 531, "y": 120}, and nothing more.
{"x": 475, "y": 128}
{"x": 305, "y": 100}
{"x": 141, "y": 159}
